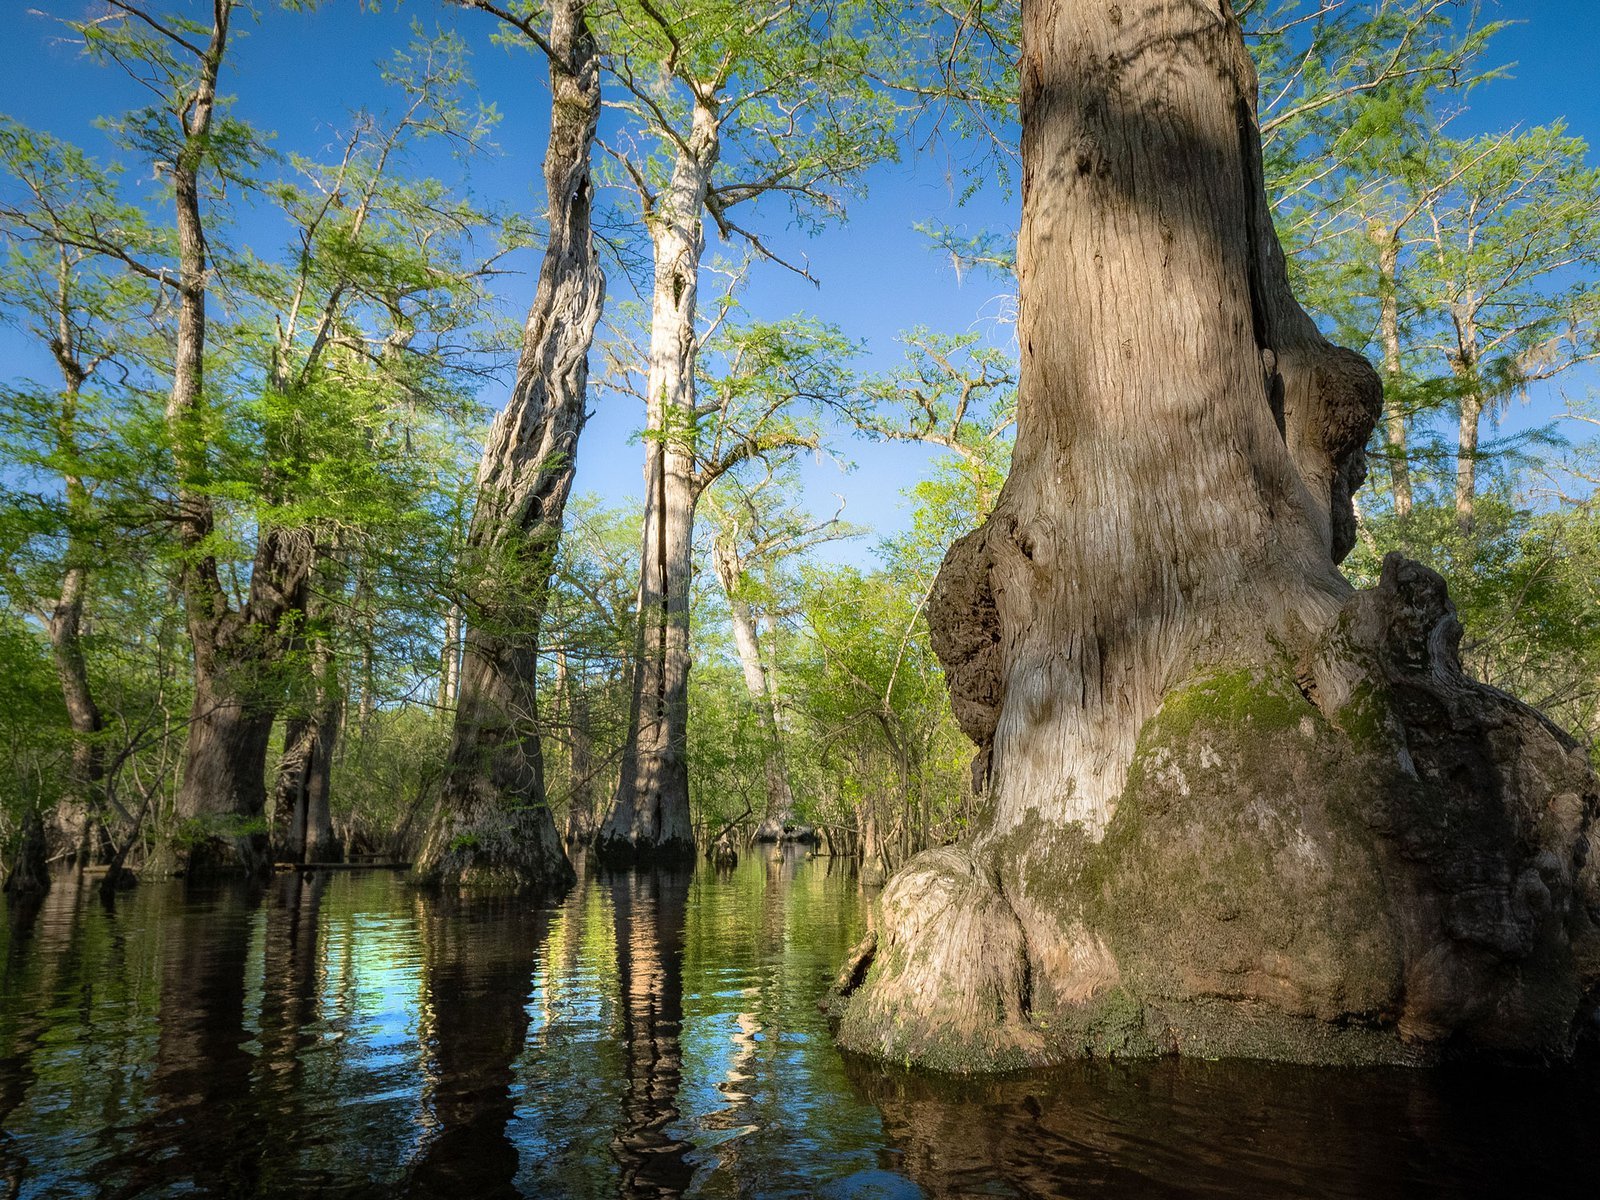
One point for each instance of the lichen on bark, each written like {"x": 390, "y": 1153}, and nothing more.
{"x": 1238, "y": 808}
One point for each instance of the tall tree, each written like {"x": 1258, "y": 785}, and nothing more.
{"x": 756, "y": 532}
{"x": 493, "y": 826}
{"x": 193, "y": 143}
{"x": 1511, "y": 246}
{"x": 769, "y": 101}
{"x": 93, "y": 317}
{"x": 1234, "y": 804}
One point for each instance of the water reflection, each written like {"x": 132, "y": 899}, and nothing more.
{"x": 654, "y": 1034}
{"x": 1194, "y": 1128}
{"x": 648, "y": 909}
{"x": 478, "y": 963}
{"x": 199, "y": 1128}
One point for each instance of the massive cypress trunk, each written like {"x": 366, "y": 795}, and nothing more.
{"x": 493, "y": 826}
{"x": 649, "y": 816}
{"x": 1238, "y": 809}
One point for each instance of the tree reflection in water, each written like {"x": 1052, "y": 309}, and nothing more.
{"x": 478, "y": 962}
{"x": 201, "y": 1129}
{"x": 1232, "y": 1128}
{"x": 648, "y": 910}
{"x": 650, "y": 1036}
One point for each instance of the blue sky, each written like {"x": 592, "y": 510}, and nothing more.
{"x": 299, "y": 73}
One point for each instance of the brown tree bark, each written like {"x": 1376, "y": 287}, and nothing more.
{"x": 493, "y": 826}
{"x": 649, "y": 817}
{"x": 1237, "y": 808}
{"x": 302, "y": 820}
{"x": 78, "y": 832}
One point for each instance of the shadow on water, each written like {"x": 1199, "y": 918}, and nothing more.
{"x": 655, "y": 1034}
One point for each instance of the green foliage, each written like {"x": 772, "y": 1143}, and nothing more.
{"x": 1526, "y": 585}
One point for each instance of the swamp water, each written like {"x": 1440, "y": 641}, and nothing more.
{"x": 654, "y": 1034}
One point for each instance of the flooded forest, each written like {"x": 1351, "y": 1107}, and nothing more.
{"x": 669, "y": 597}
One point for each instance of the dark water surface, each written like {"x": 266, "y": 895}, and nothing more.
{"x": 654, "y": 1034}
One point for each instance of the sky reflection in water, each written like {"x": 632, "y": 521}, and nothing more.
{"x": 655, "y": 1034}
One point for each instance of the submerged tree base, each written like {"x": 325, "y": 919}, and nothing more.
{"x": 1348, "y": 852}
{"x": 493, "y": 849}
{"x": 615, "y": 851}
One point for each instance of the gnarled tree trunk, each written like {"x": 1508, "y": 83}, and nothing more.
{"x": 1238, "y": 809}
{"x": 221, "y": 802}
{"x": 493, "y": 826}
{"x": 649, "y": 817}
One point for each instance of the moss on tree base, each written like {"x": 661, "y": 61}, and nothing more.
{"x": 495, "y": 850}
{"x": 1351, "y": 855}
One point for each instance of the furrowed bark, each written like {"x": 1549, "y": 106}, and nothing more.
{"x": 302, "y": 820}
{"x": 1238, "y": 809}
{"x": 493, "y": 826}
{"x": 649, "y": 817}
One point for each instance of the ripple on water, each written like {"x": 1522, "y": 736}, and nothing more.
{"x": 652, "y": 1034}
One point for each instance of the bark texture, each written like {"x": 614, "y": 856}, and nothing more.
{"x": 1238, "y": 809}
{"x": 302, "y": 819}
{"x": 649, "y": 817}
{"x": 493, "y": 826}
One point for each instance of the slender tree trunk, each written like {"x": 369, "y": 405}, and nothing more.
{"x": 494, "y": 824}
{"x": 780, "y": 800}
{"x": 78, "y": 831}
{"x": 321, "y": 842}
{"x": 649, "y": 817}
{"x": 580, "y": 756}
{"x": 1467, "y": 461}
{"x": 1237, "y": 808}
{"x": 450, "y": 658}
{"x": 1388, "y": 243}
{"x": 79, "y": 827}
{"x": 1465, "y": 361}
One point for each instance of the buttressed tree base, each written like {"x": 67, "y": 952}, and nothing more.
{"x": 1238, "y": 808}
